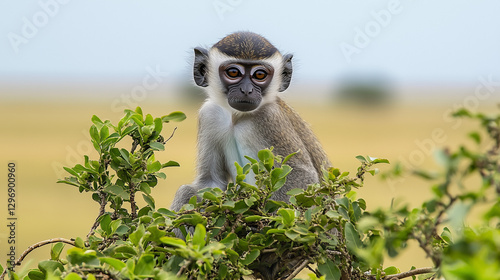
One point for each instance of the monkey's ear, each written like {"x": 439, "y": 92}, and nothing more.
{"x": 286, "y": 75}
{"x": 200, "y": 67}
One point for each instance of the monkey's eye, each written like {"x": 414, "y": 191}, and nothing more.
{"x": 233, "y": 72}
{"x": 260, "y": 74}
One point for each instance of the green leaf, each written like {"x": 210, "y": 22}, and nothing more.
{"x": 105, "y": 223}
{"x": 148, "y": 120}
{"x": 253, "y": 218}
{"x": 174, "y": 242}
{"x": 210, "y": 196}
{"x": 115, "y": 263}
{"x": 125, "y": 251}
{"x": 94, "y": 134}
{"x": 288, "y": 216}
{"x": 380, "y": 160}
{"x": 230, "y": 239}
{"x": 36, "y": 274}
{"x": 361, "y": 158}
{"x": 138, "y": 120}
{"x": 353, "y": 240}
{"x": 199, "y": 236}
{"x": 71, "y": 171}
{"x": 391, "y": 270}
{"x": 292, "y": 234}
{"x": 149, "y": 200}
{"x": 276, "y": 231}
{"x": 476, "y": 137}
{"x": 56, "y": 250}
{"x": 145, "y": 266}
{"x": 157, "y": 146}
{"x": 330, "y": 270}
{"x": 117, "y": 190}
{"x": 104, "y": 133}
{"x": 79, "y": 243}
{"x": 170, "y": 163}
{"x": 73, "y": 276}
{"x": 49, "y": 267}
{"x": 295, "y": 191}
{"x": 146, "y": 130}
{"x": 138, "y": 110}
{"x": 125, "y": 155}
{"x": 95, "y": 119}
{"x": 158, "y": 125}
{"x": 192, "y": 219}
{"x": 174, "y": 117}
{"x": 267, "y": 158}
{"x": 154, "y": 167}
{"x": 287, "y": 158}
{"x": 136, "y": 236}
{"x": 128, "y": 130}
{"x": 250, "y": 257}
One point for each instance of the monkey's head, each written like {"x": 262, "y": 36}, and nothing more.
{"x": 243, "y": 70}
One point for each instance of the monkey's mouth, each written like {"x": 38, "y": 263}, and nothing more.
{"x": 244, "y": 105}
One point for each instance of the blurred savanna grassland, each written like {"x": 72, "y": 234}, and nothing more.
{"x": 41, "y": 135}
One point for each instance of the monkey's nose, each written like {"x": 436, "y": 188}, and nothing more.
{"x": 246, "y": 89}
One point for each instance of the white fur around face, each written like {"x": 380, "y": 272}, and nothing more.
{"x": 214, "y": 88}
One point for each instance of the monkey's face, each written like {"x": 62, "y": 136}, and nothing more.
{"x": 245, "y": 83}
{"x": 242, "y": 72}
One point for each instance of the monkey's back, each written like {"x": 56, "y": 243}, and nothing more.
{"x": 292, "y": 134}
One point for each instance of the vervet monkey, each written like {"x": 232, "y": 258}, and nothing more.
{"x": 243, "y": 75}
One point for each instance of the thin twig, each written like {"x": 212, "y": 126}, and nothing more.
{"x": 410, "y": 273}
{"x": 298, "y": 269}
{"x": 37, "y": 245}
{"x": 181, "y": 270}
{"x": 316, "y": 272}
{"x": 172, "y": 135}
{"x": 335, "y": 253}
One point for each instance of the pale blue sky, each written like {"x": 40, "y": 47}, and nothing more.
{"x": 411, "y": 42}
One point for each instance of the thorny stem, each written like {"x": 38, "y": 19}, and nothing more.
{"x": 133, "y": 205}
{"x": 134, "y": 146}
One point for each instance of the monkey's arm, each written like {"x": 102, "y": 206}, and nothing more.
{"x": 211, "y": 170}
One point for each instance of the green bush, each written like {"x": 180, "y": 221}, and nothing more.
{"x": 241, "y": 231}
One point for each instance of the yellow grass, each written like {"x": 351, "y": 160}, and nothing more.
{"x": 42, "y": 137}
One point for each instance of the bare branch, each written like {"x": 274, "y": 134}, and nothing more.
{"x": 181, "y": 270}
{"x": 298, "y": 269}
{"x": 37, "y": 245}
{"x": 102, "y": 210}
{"x": 410, "y": 273}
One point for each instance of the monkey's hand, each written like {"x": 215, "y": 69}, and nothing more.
{"x": 182, "y": 196}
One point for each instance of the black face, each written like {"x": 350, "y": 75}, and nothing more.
{"x": 245, "y": 83}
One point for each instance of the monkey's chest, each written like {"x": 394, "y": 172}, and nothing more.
{"x": 238, "y": 141}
